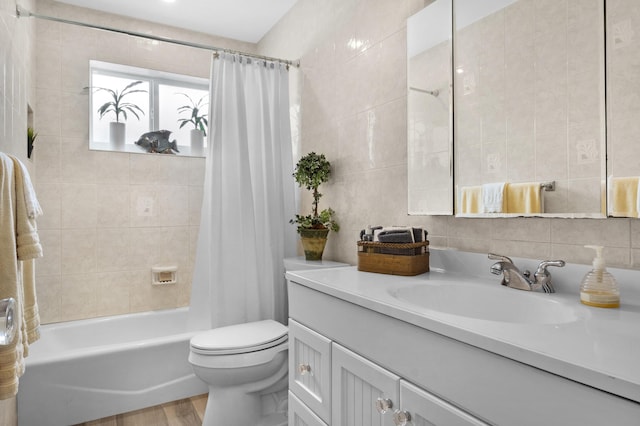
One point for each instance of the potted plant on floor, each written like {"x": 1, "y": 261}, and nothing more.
{"x": 197, "y": 117}
{"x": 311, "y": 171}
{"x": 120, "y": 107}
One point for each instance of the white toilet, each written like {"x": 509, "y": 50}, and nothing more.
{"x": 240, "y": 363}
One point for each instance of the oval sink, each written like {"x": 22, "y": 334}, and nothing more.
{"x": 482, "y": 302}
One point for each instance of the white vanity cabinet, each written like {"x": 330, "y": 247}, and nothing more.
{"x": 430, "y": 378}
{"x": 365, "y": 394}
{"x": 310, "y": 369}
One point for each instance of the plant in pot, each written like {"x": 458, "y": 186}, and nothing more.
{"x": 118, "y": 106}
{"x": 311, "y": 171}
{"x": 198, "y": 118}
{"x": 31, "y": 139}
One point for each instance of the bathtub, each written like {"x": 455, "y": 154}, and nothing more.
{"x": 89, "y": 369}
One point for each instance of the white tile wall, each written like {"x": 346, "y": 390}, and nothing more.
{"x": 98, "y": 248}
{"x": 340, "y": 82}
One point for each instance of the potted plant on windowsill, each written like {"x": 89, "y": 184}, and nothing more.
{"x": 311, "y": 171}
{"x": 120, "y": 107}
{"x": 198, "y": 118}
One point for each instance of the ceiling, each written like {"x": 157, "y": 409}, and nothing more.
{"x": 246, "y": 20}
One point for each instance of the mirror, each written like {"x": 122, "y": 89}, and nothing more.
{"x": 529, "y": 108}
{"x": 623, "y": 95}
{"x": 429, "y": 112}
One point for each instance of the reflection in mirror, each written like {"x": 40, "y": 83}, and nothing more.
{"x": 529, "y": 108}
{"x": 429, "y": 144}
{"x": 623, "y": 103}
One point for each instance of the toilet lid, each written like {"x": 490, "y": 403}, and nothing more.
{"x": 240, "y": 338}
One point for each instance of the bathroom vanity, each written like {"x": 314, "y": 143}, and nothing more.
{"x": 454, "y": 347}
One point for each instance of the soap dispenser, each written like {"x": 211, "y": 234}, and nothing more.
{"x": 598, "y": 287}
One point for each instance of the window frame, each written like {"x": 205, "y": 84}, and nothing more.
{"x": 155, "y": 79}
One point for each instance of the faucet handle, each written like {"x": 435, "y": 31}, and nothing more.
{"x": 500, "y": 257}
{"x": 542, "y": 267}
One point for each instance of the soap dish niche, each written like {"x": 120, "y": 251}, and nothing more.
{"x": 163, "y": 275}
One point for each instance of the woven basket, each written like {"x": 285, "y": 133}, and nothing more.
{"x": 393, "y": 258}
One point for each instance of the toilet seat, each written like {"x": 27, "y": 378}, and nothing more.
{"x": 240, "y": 338}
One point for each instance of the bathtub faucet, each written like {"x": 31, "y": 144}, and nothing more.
{"x": 512, "y": 277}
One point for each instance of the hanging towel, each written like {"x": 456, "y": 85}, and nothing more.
{"x": 471, "y": 199}
{"x": 493, "y": 197}
{"x": 32, "y": 205}
{"x": 19, "y": 245}
{"x": 623, "y": 193}
{"x": 524, "y": 198}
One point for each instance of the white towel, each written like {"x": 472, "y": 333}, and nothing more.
{"x": 493, "y": 197}
{"x": 33, "y": 206}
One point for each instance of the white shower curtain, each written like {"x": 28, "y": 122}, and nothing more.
{"x": 248, "y": 197}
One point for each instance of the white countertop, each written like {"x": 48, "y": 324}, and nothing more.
{"x": 599, "y": 348}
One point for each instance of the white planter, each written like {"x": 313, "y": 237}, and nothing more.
{"x": 117, "y": 134}
{"x": 197, "y": 142}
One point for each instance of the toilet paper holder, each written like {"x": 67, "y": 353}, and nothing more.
{"x": 7, "y": 321}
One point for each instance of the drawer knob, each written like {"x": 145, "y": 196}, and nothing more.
{"x": 304, "y": 369}
{"x": 401, "y": 418}
{"x": 383, "y": 405}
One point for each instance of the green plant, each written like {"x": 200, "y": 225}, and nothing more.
{"x": 117, "y": 105}
{"x": 311, "y": 171}
{"x": 196, "y": 116}
{"x": 31, "y": 138}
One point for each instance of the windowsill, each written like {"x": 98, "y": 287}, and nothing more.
{"x": 130, "y": 148}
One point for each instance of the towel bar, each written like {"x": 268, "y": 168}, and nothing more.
{"x": 548, "y": 186}
{"x": 7, "y": 324}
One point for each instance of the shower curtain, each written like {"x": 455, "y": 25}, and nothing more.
{"x": 249, "y": 196}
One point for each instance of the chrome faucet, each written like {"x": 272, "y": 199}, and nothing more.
{"x": 512, "y": 277}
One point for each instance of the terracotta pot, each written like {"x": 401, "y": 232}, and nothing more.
{"x": 313, "y": 242}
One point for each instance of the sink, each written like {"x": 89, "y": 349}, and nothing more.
{"x": 480, "y": 301}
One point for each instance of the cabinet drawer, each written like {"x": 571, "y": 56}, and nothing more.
{"x": 310, "y": 369}
{"x": 301, "y": 415}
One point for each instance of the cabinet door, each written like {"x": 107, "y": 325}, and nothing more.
{"x": 420, "y": 408}
{"x": 363, "y": 394}
{"x": 301, "y": 415}
{"x": 310, "y": 368}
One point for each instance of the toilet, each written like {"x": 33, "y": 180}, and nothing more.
{"x": 241, "y": 363}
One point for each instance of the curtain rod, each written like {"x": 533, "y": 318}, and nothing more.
{"x": 20, "y": 12}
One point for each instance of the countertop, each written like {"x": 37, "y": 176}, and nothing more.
{"x": 597, "y": 347}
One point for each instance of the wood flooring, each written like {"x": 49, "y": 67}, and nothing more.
{"x": 185, "y": 412}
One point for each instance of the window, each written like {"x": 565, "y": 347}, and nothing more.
{"x": 149, "y": 100}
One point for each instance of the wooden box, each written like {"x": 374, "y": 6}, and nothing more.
{"x": 393, "y": 258}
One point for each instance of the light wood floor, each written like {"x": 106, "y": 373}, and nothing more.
{"x": 185, "y": 412}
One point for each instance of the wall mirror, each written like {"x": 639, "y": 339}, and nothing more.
{"x": 429, "y": 110}
{"x": 529, "y": 108}
{"x": 623, "y": 104}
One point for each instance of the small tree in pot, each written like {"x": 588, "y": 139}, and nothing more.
{"x": 311, "y": 171}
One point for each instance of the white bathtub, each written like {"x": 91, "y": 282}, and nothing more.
{"x": 89, "y": 369}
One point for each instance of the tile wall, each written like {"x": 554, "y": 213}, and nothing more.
{"x": 352, "y": 86}
{"x": 16, "y": 93}
{"x": 98, "y": 248}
